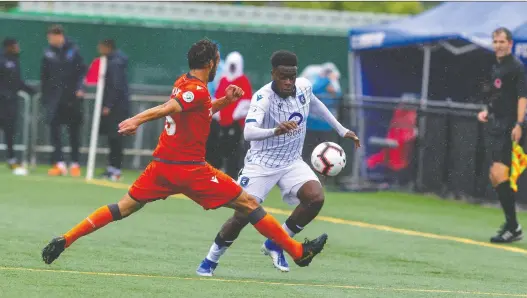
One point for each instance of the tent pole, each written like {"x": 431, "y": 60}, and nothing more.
{"x": 427, "y": 55}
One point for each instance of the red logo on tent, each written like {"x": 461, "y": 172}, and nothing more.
{"x": 92, "y": 75}
{"x": 497, "y": 83}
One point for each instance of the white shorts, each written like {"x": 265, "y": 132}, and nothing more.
{"x": 258, "y": 180}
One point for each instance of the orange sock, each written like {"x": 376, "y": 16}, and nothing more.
{"x": 271, "y": 228}
{"x": 96, "y": 220}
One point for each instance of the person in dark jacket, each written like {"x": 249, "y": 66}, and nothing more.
{"x": 116, "y": 105}
{"x": 10, "y": 83}
{"x": 62, "y": 74}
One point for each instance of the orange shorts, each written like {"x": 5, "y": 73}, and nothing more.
{"x": 202, "y": 183}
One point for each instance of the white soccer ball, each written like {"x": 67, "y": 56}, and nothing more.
{"x": 328, "y": 159}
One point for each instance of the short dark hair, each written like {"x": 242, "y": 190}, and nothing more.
{"x": 508, "y": 33}
{"x": 283, "y": 58}
{"x": 201, "y": 53}
{"x": 8, "y": 41}
{"x": 110, "y": 43}
{"x": 56, "y": 29}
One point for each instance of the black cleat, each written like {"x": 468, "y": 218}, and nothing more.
{"x": 508, "y": 235}
{"x": 311, "y": 249}
{"x": 53, "y": 250}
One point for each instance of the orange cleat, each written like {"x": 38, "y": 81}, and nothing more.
{"x": 57, "y": 171}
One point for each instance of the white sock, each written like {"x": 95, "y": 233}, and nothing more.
{"x": 286, "y": 228}
{"x": 215, "y": 252}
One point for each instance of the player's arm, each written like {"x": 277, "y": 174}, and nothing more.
{"x": 319, "y": 109}
{"x": 253, "y": 122}
{"x": 521, "y": 90}
{"x": 130, "y": 125}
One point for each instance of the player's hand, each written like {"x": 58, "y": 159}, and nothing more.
{"x": 351, "y": 135}
{"x": 516, "y": 134}
{"x": 285, "y": 127}
{"x": 233, "y": 93}
{"x": 483, "y": 116}
{"x": 128, "y": 127}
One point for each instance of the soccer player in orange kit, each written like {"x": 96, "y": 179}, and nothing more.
{"x": 179, "y": 164}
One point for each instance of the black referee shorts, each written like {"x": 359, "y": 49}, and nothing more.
{"x": 499, "y": 141}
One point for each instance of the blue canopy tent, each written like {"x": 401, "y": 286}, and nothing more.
{"x": 392, "y": 59}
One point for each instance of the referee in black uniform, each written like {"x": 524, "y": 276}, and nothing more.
{"x": 505, "y": 116}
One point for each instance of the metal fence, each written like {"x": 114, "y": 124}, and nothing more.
{"x": 437, "y": 148}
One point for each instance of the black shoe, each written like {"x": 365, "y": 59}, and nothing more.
{"x": 508, "y": 235}
{"x": 311, "y": 249}
{"x": 53, "y": 250}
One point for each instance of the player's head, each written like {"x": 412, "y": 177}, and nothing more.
{"x": 284, "y": 71}
{"x": 204, "y": 55}
{"x": 10, "y": 46}
{"x": 56, "y": 36}
{"x": 106, "y": 46}
{"x": 502, "y": 42}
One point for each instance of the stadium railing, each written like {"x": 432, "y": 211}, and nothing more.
{"x": 447, "y": 156}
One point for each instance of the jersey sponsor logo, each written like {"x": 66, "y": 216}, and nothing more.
{"x": 258, "y": 97}
{"x": 497, "y": 83}
{"x": 302, "y": 98}
{"x": 296, "y": 117}
{"x": 244, "y": 181}
{"x": 188, "y": 96}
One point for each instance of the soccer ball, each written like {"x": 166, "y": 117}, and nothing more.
{"x": 328, "y": 159}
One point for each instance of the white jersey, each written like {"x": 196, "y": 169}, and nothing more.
{"x": 268, "y": 110}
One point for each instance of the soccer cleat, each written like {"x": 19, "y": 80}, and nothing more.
{"x": 75, "y": 171}
{"x": 53, "y": 250}
{"x": 508, "y": 235}
{"x": 57, "y": 171}
{"x": 311, "y": 249}
{"x": 269, "y": 248}
{"x": 206, "y": 268}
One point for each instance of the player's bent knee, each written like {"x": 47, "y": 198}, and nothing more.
{"x": 127, "y": 206}
{"x": 244, "y": 204}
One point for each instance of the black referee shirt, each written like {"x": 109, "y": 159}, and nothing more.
{"x": 508, "y": 85}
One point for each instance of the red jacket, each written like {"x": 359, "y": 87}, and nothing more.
{"x": 226, "y": 114}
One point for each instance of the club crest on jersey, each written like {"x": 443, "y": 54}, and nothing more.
{"x": 244, "y": 181}
{"x": 296, "y": 117}
{"x": 302, "y": 98}
{"x": 188, "y": 96}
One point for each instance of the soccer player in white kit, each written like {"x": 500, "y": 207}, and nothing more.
{"x": 276, "y": 127}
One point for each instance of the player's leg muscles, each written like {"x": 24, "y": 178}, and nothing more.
{"x": 101, "y": 217}
{"x": 266, "y": 224}
{"x": 311, "y": 196}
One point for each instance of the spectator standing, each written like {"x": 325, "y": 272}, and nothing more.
{"x": 10, "y": 83}
{"x": 62, "y": 73}
{"x": 116, "y": 105}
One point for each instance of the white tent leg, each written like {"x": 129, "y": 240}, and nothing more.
{"x": 357, "y": 115}
{"x": 422, "y": 120}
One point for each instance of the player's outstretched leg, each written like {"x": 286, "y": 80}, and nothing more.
{"x": 225, "y": 237}
{"x": 98, "y": 219}
{"x": 268, "y": 226}
{"x": 311, "y": 196}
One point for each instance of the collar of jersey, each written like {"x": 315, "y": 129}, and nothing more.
{"x": 189, "y": 76}
{"x": 275, "y": 90}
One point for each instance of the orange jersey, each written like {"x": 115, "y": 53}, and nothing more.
{"x": 186, "y": 133}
